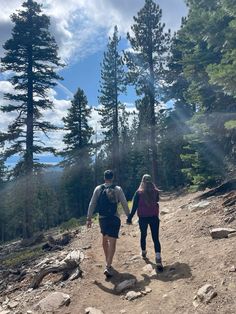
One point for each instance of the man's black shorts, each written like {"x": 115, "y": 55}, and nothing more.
{"x": 110, "y": 226}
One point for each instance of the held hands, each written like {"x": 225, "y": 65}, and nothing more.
{"x": 89, "y": 223}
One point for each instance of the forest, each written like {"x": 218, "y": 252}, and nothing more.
{"x": 190, "y": 142}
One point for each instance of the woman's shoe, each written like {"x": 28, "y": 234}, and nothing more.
{"x": 159, "y": 265}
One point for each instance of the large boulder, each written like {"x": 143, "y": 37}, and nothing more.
{"x": 206, "y": 293}
{"x": 53, "y": 302}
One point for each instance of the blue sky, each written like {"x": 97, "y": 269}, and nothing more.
{"x": 81, "y": 29}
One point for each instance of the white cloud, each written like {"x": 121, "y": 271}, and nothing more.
{"x": 81, "y": 26}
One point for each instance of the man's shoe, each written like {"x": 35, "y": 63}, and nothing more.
{"x": 108, "y": 272}
{"x": 159, "y": 265}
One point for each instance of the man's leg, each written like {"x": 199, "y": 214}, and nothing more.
{"x": 111, "y": 250}
{"x": 105, "y": 245}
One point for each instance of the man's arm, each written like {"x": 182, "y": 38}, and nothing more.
{"x": 93, "y": 202}
{"x": 122, "y": 200}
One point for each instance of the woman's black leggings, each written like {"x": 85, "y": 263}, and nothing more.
{"x": 153, "y": 222}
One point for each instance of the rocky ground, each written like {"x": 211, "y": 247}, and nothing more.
{"x": 199, "y": 274}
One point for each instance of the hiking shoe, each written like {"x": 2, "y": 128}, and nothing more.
{"x": 108, "y": 272}
{"x": 159, "y": 265}
{"x": 144, "y": 254}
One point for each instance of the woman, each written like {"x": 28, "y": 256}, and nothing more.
{"x": 145, "y": 202}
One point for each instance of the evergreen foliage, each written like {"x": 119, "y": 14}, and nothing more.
{"x": 146, "y": 64}
{"x": 112, "y": 85}
{"x": 31, "y": 55}
{"x": 77, "y": 178}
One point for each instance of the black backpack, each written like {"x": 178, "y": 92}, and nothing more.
{"x": 107, "y": 203}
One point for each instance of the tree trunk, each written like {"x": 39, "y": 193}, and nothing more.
{"x": 27, "y": 227}
{"x": 153, "y": 123}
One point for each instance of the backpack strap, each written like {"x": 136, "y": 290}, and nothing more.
{"x": 103, "y": 187}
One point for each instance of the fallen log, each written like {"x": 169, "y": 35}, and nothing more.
{"x": 69, "y": 267}
{"x": 58, "y": 243}
{"x": 35, "y": 239}
{"x": 230, "y": 199}
{"x": 220, "y": 190}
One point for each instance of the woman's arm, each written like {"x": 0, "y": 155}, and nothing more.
{"x": 134, "y": 207}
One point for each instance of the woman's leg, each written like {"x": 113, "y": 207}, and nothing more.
{"x": 143, "y": 225}
{"x": 154, "y": 226}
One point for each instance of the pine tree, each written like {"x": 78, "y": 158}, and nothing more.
{"x": 31, "y": 55}
{"x": 146, "y": 65}
{"x": 204, "y": 43}
{"x": 112, "y": 85}
{"x": 78, "y": 138}
{"x": 77, "y": 154}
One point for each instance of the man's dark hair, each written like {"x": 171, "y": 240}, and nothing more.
{"x": 108, "y": 175}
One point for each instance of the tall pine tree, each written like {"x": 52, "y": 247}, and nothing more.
{"x": 112, "y": 85}
{"x": 146, "y": 62}
{"x": 77, "y": 155}
{"x": 31, "y": 55}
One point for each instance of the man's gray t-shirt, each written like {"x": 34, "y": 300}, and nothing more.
{"x": 120, "y": 198}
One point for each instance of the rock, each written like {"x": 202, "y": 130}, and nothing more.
{"x": 146, "y": 291}
{"x": 131, "y": 295}
{"x": 223, "y": 282}
{"x": 148, "y": 269}
{"x": 206, "y": 293}
{"x": 228, "y": 220}
{"x": 164, "y": 212}
{"x": 92, "y": 310}
{"x": 12, "y": 304}
{"x": 195, "y": 304}
{"x": 199, "y": 206}
{"x": 5, "y": 312}
{"x": 98, "y": 265}
{"x": 130, "y": 283}
{"x": 232, "y": 269}
{"x": 53, "y": 302}
{"x": 87, "y": 247}
{"x": 232, "y": 235}
{"x": 134, "y": 258}
{"x": 123, "y": 311}
{"x": 220, "y": 233}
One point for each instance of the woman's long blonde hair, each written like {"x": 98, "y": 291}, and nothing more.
{"x": 148, "y": 188}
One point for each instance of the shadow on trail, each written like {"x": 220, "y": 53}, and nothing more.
{"x": 172, "y": 272}
{"x": 115, "y": 280}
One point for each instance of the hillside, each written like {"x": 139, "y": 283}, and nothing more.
{"x": 192, "y": 258}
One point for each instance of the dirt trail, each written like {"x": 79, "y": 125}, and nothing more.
{"x": 191, "y": 259}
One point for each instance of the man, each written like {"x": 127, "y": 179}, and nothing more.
{"x": 106, "y": 198}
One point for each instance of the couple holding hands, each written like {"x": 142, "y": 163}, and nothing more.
{"x": 105, "y": 199}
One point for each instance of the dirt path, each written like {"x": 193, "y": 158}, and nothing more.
{"x": 191, "y": 259}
